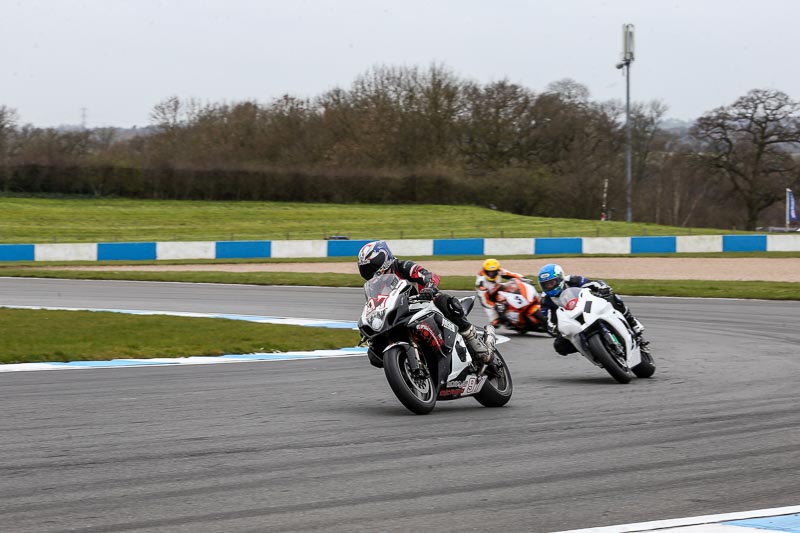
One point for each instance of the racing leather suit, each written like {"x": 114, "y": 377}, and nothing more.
{"x": 486, "y": 291}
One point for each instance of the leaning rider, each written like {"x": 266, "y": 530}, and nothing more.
{"x": 553, "y": 281}
{"x": 488, "y": 282}
{"x": 375, "y": 259}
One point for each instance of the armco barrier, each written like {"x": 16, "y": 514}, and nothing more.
{"x": 243, "y": 249}
{"x": 137, "y": 251}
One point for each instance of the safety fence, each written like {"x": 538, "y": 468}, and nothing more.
{"x": 142, "y": 251}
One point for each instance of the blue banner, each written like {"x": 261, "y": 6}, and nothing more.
{"x": 791, "y": 206}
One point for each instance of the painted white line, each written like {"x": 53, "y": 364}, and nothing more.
{"x": 711, "y": 528}
{"x": 194, "y": 360}
{"x": 288, "y": 321}
{"x": 360, "y": 289}
{"x": 711, "y": 520}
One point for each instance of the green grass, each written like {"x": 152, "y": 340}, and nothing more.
{"x": 763, "y": 290}
{"x": 246, "y": 278}
{"x": 43, "y": 335}
{"x": 768, "y": 290}
{"x": 48, "y": 220}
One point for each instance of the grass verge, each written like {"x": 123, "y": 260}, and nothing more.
{"x": 766, "y": 290}
{"x": 51, "y": 220}
{"x": 33, "y": 335}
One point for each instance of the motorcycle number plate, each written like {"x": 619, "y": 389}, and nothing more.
{"x": 474, "y": 385}
{"x": 516, "y": 300}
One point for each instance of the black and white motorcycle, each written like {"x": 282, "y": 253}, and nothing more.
{"x": 602, "y": 335}
{"x": 424, "y": 357}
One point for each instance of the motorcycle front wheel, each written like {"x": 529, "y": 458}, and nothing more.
{"x": 417, "y": 393}
{"x": 646, "y": 368}
{"x": 613, "y": 363}
{"x": 496, "y": 392}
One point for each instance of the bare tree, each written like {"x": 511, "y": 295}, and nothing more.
{"x": 8, "y": 125}
{"x": 570, "y": 90}
{"x": 747, "y": 143}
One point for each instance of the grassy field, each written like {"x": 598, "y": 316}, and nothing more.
{"x": 767, "y": 290}
{"x": 47, "y": 220}
{"x": 33, "y": 335}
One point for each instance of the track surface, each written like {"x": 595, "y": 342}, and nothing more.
{"x": 324, "y": 446}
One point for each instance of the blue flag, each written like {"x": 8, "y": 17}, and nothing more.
{"x": 791, "y": 206}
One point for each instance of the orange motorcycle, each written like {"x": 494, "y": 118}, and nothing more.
{"x": 520, "y": 307}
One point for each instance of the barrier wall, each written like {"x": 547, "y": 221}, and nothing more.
{"x": 119, "y": 251}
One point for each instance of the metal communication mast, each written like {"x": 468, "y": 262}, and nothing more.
{"x": 627, "y": 59}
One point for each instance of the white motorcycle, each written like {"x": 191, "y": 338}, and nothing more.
{"x": 424, "y": 357}
{"x": 602, "y": 335}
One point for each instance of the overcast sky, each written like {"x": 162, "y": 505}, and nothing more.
{"x": 118, "y": 58}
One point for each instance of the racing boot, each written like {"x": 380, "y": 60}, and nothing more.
{"x": 477, "y": 344}
{"x": 634, "y": 323}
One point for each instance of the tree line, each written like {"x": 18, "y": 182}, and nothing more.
{"x": 412, "y": 135}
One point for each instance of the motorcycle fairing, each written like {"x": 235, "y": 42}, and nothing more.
{"x": 518, "y": 304}
{"x": 383, "y": 293}
{"x": 580, "y": 313}
{"x": 468, "y": 385}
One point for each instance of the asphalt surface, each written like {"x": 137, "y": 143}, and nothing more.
{"x": 323, "y": 445}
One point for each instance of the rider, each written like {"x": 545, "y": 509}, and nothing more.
{"x": 375, "y": 259}
{"x": 487, "y": 284}
{"x": 552, "y": 280}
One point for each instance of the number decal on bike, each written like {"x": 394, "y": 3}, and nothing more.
{"x": 474, "y": 385}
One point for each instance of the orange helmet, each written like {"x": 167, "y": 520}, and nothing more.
{"x": 491, "y": 267}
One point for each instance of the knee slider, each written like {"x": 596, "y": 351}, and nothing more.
{"x": 563, "y": 346}
{"x": 449, "y": 305}
{"x": 454, "y": 305}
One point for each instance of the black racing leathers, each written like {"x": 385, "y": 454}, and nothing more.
{"x": 424, "y": 279}
{"x": 411, "y": 271}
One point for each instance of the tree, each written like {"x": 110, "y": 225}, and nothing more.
{"x": 746, "y": 142}
{"x": 8, "y": 126}
{"x": 497, "y": 125}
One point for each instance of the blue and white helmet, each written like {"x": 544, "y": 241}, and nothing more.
{"x": 374, "y": 258}
{"x": 551, "y": 279}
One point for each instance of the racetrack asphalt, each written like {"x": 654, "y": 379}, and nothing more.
{"x": 323, "y": 445}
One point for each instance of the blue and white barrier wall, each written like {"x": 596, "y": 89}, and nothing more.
{"x": 133, "y": 251}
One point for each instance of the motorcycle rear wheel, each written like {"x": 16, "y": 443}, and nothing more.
{"x": 603, "y": 354}
{"x": 418, "y": 395}
{"x": 496, "y": 392}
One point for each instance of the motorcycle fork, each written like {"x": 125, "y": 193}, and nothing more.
{"x": 415, "y": 362}
{"x": 612, "y": 340}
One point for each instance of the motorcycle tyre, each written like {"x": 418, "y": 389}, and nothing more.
{"x": 646, "y": 368}
{"x": 617, "y": 371}
{"x": 491, "y": 396}
{"x": 394, "y": 366}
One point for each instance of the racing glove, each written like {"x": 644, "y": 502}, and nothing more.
{"x": 599, "y": 287}
{"x": 428, "y": 293}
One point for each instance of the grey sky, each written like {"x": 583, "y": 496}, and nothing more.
{"x": 118, "y": 58}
